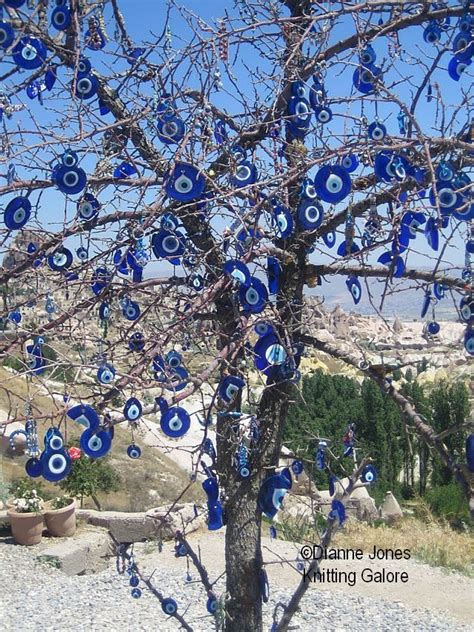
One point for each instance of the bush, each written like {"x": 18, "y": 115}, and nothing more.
{"x": 422, "y": 366}
{"x": 66, "y": 374}
{"x": 449, "y": 502}
{"x": 22, "y": 487}
{"x": 380, "y": 489}
{"x": 397, "y": 375}
{"x": 14, "y": 363}
{"x": 88, "y": 477}
{"x": 407, "y": 492}
{"x": 61, "y": 501}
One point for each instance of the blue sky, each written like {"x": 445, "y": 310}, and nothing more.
{"x": 143, "y": 16}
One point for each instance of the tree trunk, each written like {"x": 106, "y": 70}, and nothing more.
{"x": 243, "y": 530}
{"x": 243, "y": 536}
{"x": 96, "y": 502}
{"x": 243, "y": 560}
{"x": 424, "y": 457}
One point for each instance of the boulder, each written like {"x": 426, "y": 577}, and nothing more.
{"x": 360, "y": 506}
{"x": 84, "y": 554}
{"x": 303, "y": 510}
{"x": 397, "y": 325}
{"x": 325, "y": 500}
{"x": 161, "y": 522}
{"x": 302, "y": 484}
{"x": 390, "y": 510}
{"x": 176, "y": 518}
{"x": 296, "y": 508}
{"x": 124, "y": 527}
{"x": 365, "y": 509}
{"x": 341, "y": 329}
{"x": 326, "y": 336}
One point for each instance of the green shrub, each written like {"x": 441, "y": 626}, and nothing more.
{"x": 61, "y": 501}
{"x": 449, "y": 502}
{"x": 88, "y": 477}
{"x": 63, "y": 373}
{"x": 14, "y": 363}
{"x": 407, "y": 492}
{"x": 302, "y": 528}
{"x": 422, "y": 366}
{"x": 397, "y": 374}
{"x": 380, "y": 489}
{"x": 23, "y": 487}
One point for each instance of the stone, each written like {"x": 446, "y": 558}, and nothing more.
{"x": 365, "y": 509}
{"x": 397, "y": 325}
{"x": 390, "y": 510}
{"x": 302, "y": 484}
{"x": 86, "y": 554}
{"x": 161, "y": 522}
{"x": 172, "y": 518}
{"x": 326, "y": 336}
{"x": 360, "y": 506}
{"x": 298, "y": 509}
{"x": 341, "y": 329}
{"x": 299, "y": 505}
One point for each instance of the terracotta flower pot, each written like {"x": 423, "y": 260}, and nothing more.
{"x": 61, "y": 523}
{"x": 27, "y": 528}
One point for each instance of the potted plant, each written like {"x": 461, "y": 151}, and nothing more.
{"x": 26, "y": 518}
{"x": 60, "y": 516}
{"x": 21, "y": 488}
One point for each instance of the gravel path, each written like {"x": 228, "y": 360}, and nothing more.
{"x": 35, "y": 596}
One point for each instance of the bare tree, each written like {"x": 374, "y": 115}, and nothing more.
{"x": 282, "y": 145}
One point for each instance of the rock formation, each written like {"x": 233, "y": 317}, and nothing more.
{"x": 390, "y": 510}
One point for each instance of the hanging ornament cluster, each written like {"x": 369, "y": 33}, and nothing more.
{"x": 273, "y": 491}
{"x": 223, "y": 43}
{"x": 173, "y": 231}
{"x": 67, "y": 176}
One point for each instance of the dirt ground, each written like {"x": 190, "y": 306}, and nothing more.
{"x": 427, "y": 587}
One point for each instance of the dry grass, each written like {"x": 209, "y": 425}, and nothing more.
{"x": 429, "y": 540}
{"x": 14, "y": 395}
{"x": 432, "y": 542}
{"x": 151, "y": 481}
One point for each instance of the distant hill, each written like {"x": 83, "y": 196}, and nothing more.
{"x": 401, "y": 298}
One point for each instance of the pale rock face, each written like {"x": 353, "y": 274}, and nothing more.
{"x": 297, "y": 508}
{"x": 337, "y": 312}
{"x": 390, "y": 510}
{"x": 361, "y": 505}
{"x": 300, "y": 506}
{"x": 326, "y": 336}
{"x": 397, "y": 325}
{"x": 160, "y": 522}
{"x": 341, "y": 329}
{"x": 302, "y": 485}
